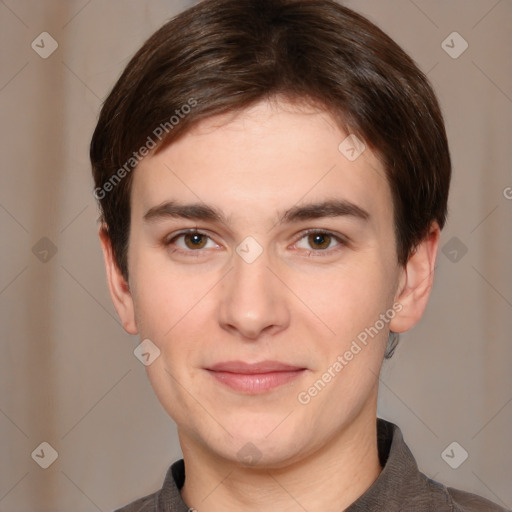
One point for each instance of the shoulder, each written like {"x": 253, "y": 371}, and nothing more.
{"x": 403, "y": 487}
{"x": 145, "y": 504}
{"x": 166, "y": 498}
{"x": 454, "y": 500}
{"x": 467, "y": 502}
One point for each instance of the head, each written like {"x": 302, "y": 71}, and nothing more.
{"x": 272, "y": 178}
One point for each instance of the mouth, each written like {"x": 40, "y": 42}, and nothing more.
{"x": 254, "y": 378}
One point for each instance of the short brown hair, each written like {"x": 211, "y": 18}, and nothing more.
{"x": 225, "y": 55}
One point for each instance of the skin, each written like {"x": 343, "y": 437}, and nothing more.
{"x": 300, "y": 303}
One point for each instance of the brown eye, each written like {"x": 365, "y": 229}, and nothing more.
{"x": 319, "y": 240}
{"x": 195, "y": 240}
{"x": 190, "y": 243}
{"x": 320, "y": 243}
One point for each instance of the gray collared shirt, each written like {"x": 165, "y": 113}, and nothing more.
{"x": 400, "y": 487}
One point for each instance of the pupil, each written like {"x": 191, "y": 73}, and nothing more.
{"x": 320, "y": 240}
{"x": 195, "y": 241}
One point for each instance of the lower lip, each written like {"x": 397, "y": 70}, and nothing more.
{"x": 256, "y": 383}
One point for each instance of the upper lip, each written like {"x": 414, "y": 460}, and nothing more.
{"x": 253, "y": 368}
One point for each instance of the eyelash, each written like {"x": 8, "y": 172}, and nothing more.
{"x": 341, "y": 240}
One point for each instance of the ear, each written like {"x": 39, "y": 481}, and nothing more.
{"x": 416, "y": 281}
{"x": 117, "y": 284}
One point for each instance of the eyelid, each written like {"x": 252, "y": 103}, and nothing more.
{"x": 169, "y": 239}
{"x": 341, "y": 239}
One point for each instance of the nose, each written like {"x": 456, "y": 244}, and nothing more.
{"x": 253, "y": 301}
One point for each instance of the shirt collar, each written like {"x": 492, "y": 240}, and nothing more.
{"x": 399, "y": 478}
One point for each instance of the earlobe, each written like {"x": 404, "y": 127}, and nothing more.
{"x": 416, "y": 282}
{"x": 118, "y": 286}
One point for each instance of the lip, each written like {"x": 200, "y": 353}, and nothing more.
{"x": 254, "y": 378}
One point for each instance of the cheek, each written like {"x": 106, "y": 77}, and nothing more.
{"x": 347, "y": 299}
{"x": 164, "y": 302}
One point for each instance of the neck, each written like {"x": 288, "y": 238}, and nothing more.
{"x": 330, "y": 479}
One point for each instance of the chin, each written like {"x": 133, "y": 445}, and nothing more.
{"x": 269, "y": 444}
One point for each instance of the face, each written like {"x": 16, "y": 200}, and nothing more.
{"x": 263, "y": 265}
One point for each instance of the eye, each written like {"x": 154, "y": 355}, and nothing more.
{"x": 319, "y": 241}
{"x": 192, "y": 241}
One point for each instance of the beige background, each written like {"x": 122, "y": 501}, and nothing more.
{"x": 68, "y": 375}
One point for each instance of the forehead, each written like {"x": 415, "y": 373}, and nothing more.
{"x": 263, "y": 159}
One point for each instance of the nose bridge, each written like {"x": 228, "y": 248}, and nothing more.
{"x": 252, "y": 301}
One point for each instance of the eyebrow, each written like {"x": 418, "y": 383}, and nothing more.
{"x": 194, "y": 211}
{"x": 204, "y": 212}
{"x": 330, "y": 208}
